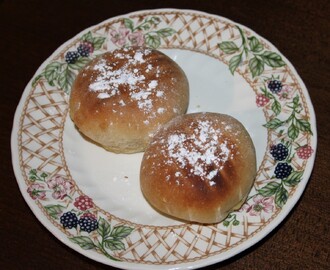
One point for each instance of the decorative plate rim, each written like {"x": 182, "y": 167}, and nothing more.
{"x": 199, "y": 262}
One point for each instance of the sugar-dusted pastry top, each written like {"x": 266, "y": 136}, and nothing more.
{"x": 122, "y": 97}
{"x": 199, "y": 167}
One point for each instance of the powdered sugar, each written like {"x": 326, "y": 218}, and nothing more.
{"x": 139, "y": 57}
{"x": 103, "y": 95}
{"x": 159, "y": 93}
{"x": 140, "y": 95}
{"x": 199, "y": 151}
{"x": 110, "y": 78}
{"x": 122, "y": 102}
{"x": 152, "y": 84}
{"x": 160, "y": 110}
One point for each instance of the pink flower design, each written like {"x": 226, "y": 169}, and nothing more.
{"x": 265, "y": 204}
{"x": 136, "y": 38}
{"x": 286, "y": 92}
{"x": 119, "y": 37}
{"x": 60, "y": 186}
{"x": 37, "y": 191}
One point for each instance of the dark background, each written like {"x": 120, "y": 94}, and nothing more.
{"x": 31, "y": 30}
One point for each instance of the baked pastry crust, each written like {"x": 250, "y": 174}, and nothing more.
{"x": 199, "y": 167}
{"x": 122, "y": 97}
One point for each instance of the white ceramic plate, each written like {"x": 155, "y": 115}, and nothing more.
{"x": 231, "y": 70}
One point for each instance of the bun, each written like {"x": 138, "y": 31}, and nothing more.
{"x": 199, "y": 167}
{"x": 122, "y": 97}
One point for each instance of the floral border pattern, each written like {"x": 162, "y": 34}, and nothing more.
{"x": 92, "y": 231}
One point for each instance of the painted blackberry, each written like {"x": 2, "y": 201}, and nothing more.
{"x": 304, "y": 152}
{"x": 90, "y": 215}
{"x": 275, "y": 86}
{"x": 85, "y": 48}
{"x": 69, "y": 220}
{"x": 279, "y": 151}
{"x": 83, "y": 202}
{"x": 71, "y": 57}
{"x": 88, "y": 224}
{"x": 282, "y": 170}
{"x": 262, "y": 100}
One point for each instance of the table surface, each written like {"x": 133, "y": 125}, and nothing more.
{"x": 32, "y": 30}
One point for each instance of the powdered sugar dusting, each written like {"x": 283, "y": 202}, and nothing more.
{"x": 152, "y": 84}
{"x": 159, "y": 93}
{"x": 199, "y": 151}
{"x": 110, "y": 78}
{"x": 103, "y": 95}
{"x": 160, "y": 110}
{"x": 139, "y": 57}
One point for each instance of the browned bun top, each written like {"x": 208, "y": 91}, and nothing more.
{"x": 121, "y": 98}
{"x": 199, "y": 167}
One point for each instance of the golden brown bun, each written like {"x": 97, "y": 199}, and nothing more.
{"x": 122, "y": 97}
{"x": 199, "y": 167}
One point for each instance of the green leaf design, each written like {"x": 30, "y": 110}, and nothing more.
{"x": 146, "y": 26}
{"x": 120, "y": 232}
{"x": 236, "y": 222}
{"x": 43, "y": 175}
{"x": 293, "y": 131}
{"x": 97, "y": 42}
{"x": 303, "y": 125}
{"x": 33, "y": 178}
{"x": 54, "y": 210}
{"x": 253, "y": 49}
{"x": 256, "y": 66}
{"x": 36, "y": 79}
{"x": 272, "y": 59}
{"x": 231, "y": 219}
{"x": 255, "y": 45}
{"x": 152, "y": 40}
{"x": 87, "y": 37}
{"x": 295, "y": 101}
{"x": 83, "y": 241}
{"x": 52, "y": 72}
{"x": 270, "y": 189}
{"x": 114, "y": 244}
{"x": 129, "y": 24}
{"x": 276, "y": 107}
{"x": 165, "y": 32}
{"x": 293, "y": 179}
{"x": 80, "y": 63}
{"x": 234, "y": 62}
{"x": 155, "y": 20}
{"x": 274, "y": 123}
{"x": 65, "y": 80}
{"x": 226, "y": 223}
{"x": 281, "y": 196}
{"x": 33, "y": 175}
{"x": 104, "y": 228}
{"x": 228, "y": 47}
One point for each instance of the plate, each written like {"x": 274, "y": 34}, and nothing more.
{"x": 90, "y": 199}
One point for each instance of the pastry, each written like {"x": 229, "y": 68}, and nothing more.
{"x": 199, "y": 167}
{"x": 122, "y": 97}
